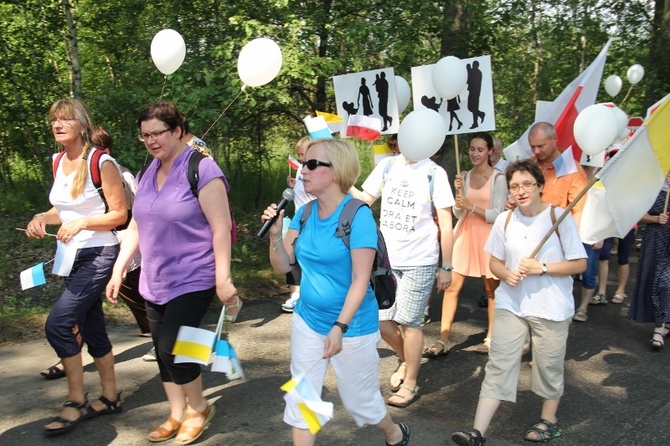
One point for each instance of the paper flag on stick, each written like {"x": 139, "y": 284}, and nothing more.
{"x": 294, "y": 163}
{"x": 193, "y": 345}
{"x": 33, "y": 276}
{"x": 316, "y": 412}
{"x": 367, "y": 128}
{"x": 565, "y": 164}
{"x": 381, "y": 151}
{"x": 225, "y": 361}
{"x": 317, "y": 127}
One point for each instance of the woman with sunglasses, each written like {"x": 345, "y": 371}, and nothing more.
{"x": 336, "y": 319}
{"x": 185, "y": 243}
{"x": 85, "y": 237}
{"x": 534, "y": 297}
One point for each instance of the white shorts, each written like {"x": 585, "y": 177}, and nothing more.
{"x": 356, "y": 369}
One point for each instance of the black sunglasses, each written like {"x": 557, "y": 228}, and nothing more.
{"x": 313, "y": 164}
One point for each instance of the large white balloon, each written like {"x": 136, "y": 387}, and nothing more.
{"x": 621, "y": 123}
{"x": 449, "y": 77}
{"x": 595, "y": 128}
{"x": 168, "y": 50}
{"x": 403, "y": 93}
{"x": 613, "y": 85}
{"x": 259, "y": 62}
{"x": 421, "y": 134}
{"x": 635, "y": 73}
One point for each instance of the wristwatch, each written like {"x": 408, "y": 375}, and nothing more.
{"x": 447, "y": 268}
{"x": 344, "y": 327}
{"x": 545, "y": 270}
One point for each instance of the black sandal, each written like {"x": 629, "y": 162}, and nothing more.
{"x": 84, "y": 414}
{"x": 468, "y": 438}
{"x": 113, "y": 407}
{"x": 54, "y": 372}
{"x": 404, "y": 428}
{"x": 545, "y": 431}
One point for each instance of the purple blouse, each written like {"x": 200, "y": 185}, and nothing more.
{"x": 175, "y": 237}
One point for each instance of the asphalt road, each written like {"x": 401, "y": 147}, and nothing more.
{"x": 617, "y": 388}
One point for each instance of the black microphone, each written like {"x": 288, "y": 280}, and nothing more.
{"x": 286, "y": 197}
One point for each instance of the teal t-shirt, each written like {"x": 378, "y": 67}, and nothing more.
{"x": 326, "y": 270}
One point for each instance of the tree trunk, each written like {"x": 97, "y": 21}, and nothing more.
{"x": 72, "y": 41}
{"x": 658, "y": 66}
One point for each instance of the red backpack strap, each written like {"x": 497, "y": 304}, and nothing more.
{"x": 96, "y": 177}
{"x": 56, "y": 162}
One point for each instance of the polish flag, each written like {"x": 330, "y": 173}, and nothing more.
{"x": 294, "y": 163}
{"x": 368, "y": 128}
{"x": 563, "y": 111}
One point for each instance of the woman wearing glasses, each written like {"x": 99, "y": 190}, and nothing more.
{"x": 336, "y": 319}
{"x": 185, "y": 243}
{"x": 482, "y": 196}
{"x": 534, "y": 296}
{"x": 86, "y": 239}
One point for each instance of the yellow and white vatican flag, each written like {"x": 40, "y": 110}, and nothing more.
{"x": 629, "y": 182}
{"x": 317, "y": 413}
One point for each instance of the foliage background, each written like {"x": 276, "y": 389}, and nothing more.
{"x": 100, "y": 52}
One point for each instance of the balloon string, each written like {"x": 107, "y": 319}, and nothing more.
{"x": 163, "y": 89}
{"x": 627, "y": 94}
{"x": 223, "y": 112}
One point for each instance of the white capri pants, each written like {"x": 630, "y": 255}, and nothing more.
{"x": 356, "y": 370}
{"x": 549, "y": 340}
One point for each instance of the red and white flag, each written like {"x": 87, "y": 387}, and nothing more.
{"x": 368, "y": 128}
{"x": 293, "y": 163}
{"x": 563, "y": 111}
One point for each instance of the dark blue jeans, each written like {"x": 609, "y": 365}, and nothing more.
{"x": 81, "y": 304}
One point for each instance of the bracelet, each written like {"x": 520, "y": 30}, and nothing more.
{"x": 275, "y": 242}
{"x": 447, "y": 268}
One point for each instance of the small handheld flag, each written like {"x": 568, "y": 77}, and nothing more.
{"x": 317, "y": 127}
{"x": 193, "y": 345}
{"x": 368, "y": 128}
{"x": 565, "y": 164}
{"x": 317, "y": 413}
{"x": 33, "y": 276}
{"x": 293, "y": 163}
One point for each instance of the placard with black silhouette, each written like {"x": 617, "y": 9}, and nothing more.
{"x": 368, "y": 93}
{"x": 472, "y": 110}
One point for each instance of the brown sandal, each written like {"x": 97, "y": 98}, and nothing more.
{"x": 163, "y": 433}
{"x": 195, "y": 432}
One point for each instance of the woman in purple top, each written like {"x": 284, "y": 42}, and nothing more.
{"x": 185, "y": 244}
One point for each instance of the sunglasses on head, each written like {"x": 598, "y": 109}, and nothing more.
{"x": 313, "y": 164}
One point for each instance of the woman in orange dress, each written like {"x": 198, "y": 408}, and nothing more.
{"x": 481, "y": 197}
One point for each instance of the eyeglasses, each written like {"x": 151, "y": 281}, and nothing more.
{"x": 527, "y": 187}
{"x": 313, "y": 164}
{"x": 144, "y": 137}
{"x": 62, "y": 121}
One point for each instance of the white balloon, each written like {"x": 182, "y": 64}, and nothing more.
{"x": 613, "y": 85}
{"x": 595, "y": 128}
{"x": 402, "y": 92}
{"x": 259, "y": 62}
{"x": 421, "y": 134}
{"x": 168, "y": 50}
{"x": 621, "y": 123}
{"x": 635, "y": 73}
{"x": 449, "y": 77}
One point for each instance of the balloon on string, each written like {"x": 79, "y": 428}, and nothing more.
{"x": 421, "y": 134}
{"x": 402, "y": 92}
{"x": 449, "y": 77}
{"x": 613, "y": 85}
{"x": 595, "y": 128}
{"x": 259, "y": 62}
{"x": 635, "y": 73}
{"x": 168, "y": 50}
{"x": 621, "y": 122}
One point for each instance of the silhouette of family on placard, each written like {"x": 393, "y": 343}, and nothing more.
{"x": 474, "y": 87}
{"x": 364, "y": 100}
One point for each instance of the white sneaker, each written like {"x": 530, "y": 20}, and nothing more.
{"x": 150, "y": 356}
{"x": 289, "y": 305}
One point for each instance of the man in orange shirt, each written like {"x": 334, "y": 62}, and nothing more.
{"x": 561, "y": 192}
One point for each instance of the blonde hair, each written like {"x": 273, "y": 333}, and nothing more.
{"x": 344, "y": 159}
{"x": 73, "y": 108}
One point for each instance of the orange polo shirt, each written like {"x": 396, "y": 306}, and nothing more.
{"x": 562, "y": 191}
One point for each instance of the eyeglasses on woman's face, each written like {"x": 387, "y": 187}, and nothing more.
{"x": 526, "y": 187}
{"x": 313, "y": 164}
{"x": 63, "y": 121}
{"x": 144, "y": 137}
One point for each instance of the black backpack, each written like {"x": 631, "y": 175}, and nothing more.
{"x": 382, "y": 280}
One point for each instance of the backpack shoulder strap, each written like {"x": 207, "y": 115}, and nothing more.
{"x": 346, "y": 218}
{"x": 56, "y": 162}
{"x": 306, "y": 212}
{"x": 509, "y": 217}
{"x": 192, "y": 171}
{"x": 94, "y": 166}
{"x": 552, "y": 212}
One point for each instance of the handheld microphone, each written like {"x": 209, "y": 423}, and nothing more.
{"x": 286, "y": 197}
